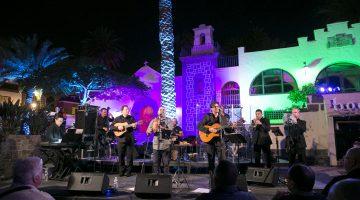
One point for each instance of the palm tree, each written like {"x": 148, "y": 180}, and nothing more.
{"x": 339, "y": 10}
{"x": 104, "y": 47}
{"x": 24, "y": 57}
{"x": 166, "y": 37}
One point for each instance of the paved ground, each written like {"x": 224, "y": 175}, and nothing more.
{"x": 127, "y": 184}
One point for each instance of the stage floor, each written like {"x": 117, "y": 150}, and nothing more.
{"x": 196, "y": 181}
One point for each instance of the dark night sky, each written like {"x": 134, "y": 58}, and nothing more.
{"x": 136, "y": 21}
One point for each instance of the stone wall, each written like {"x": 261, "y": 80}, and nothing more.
{"x": 15, "y": 147}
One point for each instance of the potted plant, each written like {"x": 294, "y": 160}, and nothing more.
{"x": 299, "y": 97}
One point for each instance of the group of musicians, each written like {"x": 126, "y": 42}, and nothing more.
{"x": 166, "y": 129}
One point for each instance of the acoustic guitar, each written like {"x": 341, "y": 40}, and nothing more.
{"x": 125, "y": 126}
{"x": 207, "y": 137}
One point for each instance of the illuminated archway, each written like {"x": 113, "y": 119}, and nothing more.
{"x": 339, "y": 77}
{"x": 273, "y": 81}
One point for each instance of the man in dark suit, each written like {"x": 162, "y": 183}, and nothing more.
{"x": 295, "y": 140}
{"x": 260, "y": 128}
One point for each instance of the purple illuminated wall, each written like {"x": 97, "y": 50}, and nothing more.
{"x": 198, "y": 89}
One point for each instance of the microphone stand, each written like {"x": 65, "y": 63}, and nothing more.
{"x": 143, "y": 163}
{"x": 159, "y": 138}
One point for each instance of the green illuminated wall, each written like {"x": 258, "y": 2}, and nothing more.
{"x": 337, "y": 44}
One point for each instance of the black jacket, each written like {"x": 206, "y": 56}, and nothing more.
{"x": 295, "y": 134}
{"x": 103, "y": 122}
{"x": 128, "y": 136}
{"x": 261, "y": 132}
{"x": 53, "y": 132}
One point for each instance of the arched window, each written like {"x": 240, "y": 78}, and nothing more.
{"x": 272, "y": 81}
{"x": 202, "y": 39}
{"x": 230, "y": 94}
{"x": 341, "y": 77}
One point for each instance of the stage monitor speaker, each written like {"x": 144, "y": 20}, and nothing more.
{"x": 86, "y": 119}
{"x": 88, "y": 182}
{"x": 262, "y": 175}
{"x": 153, "y": 186}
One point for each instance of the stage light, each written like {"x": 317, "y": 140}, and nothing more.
{"x": 330, "y": 89}
{"x": 33, "y": 105}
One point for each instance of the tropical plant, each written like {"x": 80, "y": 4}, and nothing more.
{"x": 12, "y": 115}
{"x": 104, "y": 47}
{"x": 340, "y": 10}
{"x": 83, "y": 77}
{"x": 299, "y": 97}
{"x": 25, "y": 57}
{"x": 256, "y": 39}
{"x": 38, "y": 121}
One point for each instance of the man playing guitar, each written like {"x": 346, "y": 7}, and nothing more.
{"x": 215, "y": 145}
{"x": 126, "y": 141}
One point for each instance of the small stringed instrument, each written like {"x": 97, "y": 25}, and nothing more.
{"x": 207, "y": 137}
{"x": 125, "y": 126}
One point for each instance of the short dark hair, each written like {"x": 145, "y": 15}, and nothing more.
{"x": 302, "y": 176}
{"x": 213, "y": 104}
{"x": 124, "y": 106}
{"x": 58, "y": 115}
{"x": 225, "y": 173}
{"x": 258, "y": 110}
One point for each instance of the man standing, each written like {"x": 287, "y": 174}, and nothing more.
{"x": 295, "y": 141}
{"x": 216, "y": 146}
{"x": 27, "y": 177}
{"x": 126, "y": 141}
{"x": 260, "y": 127}
{"x": 103, "y": 122}
{"x": 55, "y": 131}
{"x": 161, "y": 126}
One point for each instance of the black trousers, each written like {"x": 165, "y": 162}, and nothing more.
{"x": 125, "y": 149}
{"x": 161, "y": 156}
{"x": 267, "y": 154}
{"x": 299, "y": 152}
{"x": 101, "y": 143}
{"x": 213, "y": 149}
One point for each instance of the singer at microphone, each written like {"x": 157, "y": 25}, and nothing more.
{"x": 161, "y": 143}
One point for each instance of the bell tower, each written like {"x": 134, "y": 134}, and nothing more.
{"x": 198, "y": 74}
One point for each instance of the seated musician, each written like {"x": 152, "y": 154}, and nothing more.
{"x": 177, "y": 132}
{"x": 55, "y": 131}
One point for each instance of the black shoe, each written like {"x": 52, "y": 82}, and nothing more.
{"x": 128, "y": 174}
{"x": 121, "y": 174}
